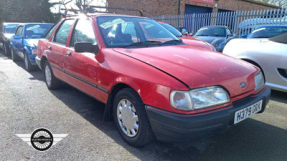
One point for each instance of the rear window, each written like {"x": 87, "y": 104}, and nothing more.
{"x": 63, "y": 32}
{"x": 267, "y": 32}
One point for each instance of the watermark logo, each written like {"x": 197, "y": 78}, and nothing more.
{"x": 42, "y": 139}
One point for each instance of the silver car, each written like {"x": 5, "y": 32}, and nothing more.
{"x": 268, "y": 54}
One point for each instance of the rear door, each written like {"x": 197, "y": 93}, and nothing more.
{"x": 57, "y": 48}
{"x": 82, "y": 69}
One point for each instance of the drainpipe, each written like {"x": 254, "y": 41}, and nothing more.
{"x": 179, "y": 4}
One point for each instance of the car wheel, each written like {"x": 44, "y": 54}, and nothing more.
{"x": 14, "y": 56}
{"x": 6, "y": 50}
{"x": 28, "y": 66}
{"x": 131, "y": 118}
{"x": 51, "y": 81}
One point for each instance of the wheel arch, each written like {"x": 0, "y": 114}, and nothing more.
{"x": 109, "y": 105}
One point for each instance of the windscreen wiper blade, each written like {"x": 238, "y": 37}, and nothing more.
{"x": 172, "y": 42}
{"x": 143, "y": 43}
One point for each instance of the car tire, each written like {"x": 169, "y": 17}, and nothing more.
{"x": 6, "y": 50}
{"x": 28, "y": 66}
{"x": 14, "y": 56}
{"x": 131, "y": 118}
{"x": 51, "y": 81}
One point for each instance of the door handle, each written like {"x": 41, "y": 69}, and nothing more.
{"x": 69, "y": 53}
{"x": 49, "y": 47}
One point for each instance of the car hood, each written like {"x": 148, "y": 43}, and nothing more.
{"x": 33, "y": 42}
{"x": 196, "y": 42}
{"x": 196, "y": 67}
{"x": 243, "y": 46}
{"x": 8, "y": 36}
{"x": 209, "y": 39}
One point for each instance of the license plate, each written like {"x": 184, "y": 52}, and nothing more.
{"x": 247, "y": 112}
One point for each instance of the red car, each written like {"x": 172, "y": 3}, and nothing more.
{"x": 152, "y": 83}
{"x": 187, "y": 39}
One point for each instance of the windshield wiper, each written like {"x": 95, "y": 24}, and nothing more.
{"x": 172, "y": 42}
{"x": 143, "y": 43}
{"x": 201, "y": 35}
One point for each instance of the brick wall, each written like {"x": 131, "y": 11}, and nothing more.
{"x": 151, "y": 7}
{"x": 170, "y": 7}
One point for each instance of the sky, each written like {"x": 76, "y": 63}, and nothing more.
{"x": 72, "y": 4}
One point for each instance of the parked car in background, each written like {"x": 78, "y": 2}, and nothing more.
{"x": 151, "y": 82}
{"x": 215, "y": 35}
{"x": 186, "y": 38}
{"x": 267, "y": 19}
{"x": 267, "y": 31}
{"x": 268, "y": 54}
{"x": 8, "y": 30}
{"x": 24, "y": 43}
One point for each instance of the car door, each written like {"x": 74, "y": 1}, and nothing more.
{"x": 57, "y": 47}
{"x": 82, "y": 69}
{"x": 18, "y": 43}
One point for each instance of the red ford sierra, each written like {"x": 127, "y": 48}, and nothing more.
{"x": 153, "y": 84}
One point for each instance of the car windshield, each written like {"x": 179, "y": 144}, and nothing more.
{"x": 267, "y": 32}
{"x": 211, "y": 31}
{"x": 10, "y": 28}
{"x": 118, "y": 31}
{"x": 171, "y": 29}
{"x": 37, "y": 30}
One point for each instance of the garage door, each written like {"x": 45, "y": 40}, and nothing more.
{"x": 190, "y": 9}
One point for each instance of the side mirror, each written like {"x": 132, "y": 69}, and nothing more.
{"x": 243, "y": 36}
{"x": 190, "y": 34}
{"x": 86, "y": 47}
{"x": 17, "y": 37}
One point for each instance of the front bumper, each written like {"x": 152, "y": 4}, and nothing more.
{"x": 172, "y": 127}
{"x": 38, "y": 62}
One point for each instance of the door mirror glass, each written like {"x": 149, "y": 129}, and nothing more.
{"x": 86, "y": 47}
{"x": 17, "y": 37}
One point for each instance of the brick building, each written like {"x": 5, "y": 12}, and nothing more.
{"x": 171, "y": 7}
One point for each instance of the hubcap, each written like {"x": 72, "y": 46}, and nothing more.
{"x": 48, "y": 75}
{"x": 127, "y": 118}
{"x": 26, "y": 61}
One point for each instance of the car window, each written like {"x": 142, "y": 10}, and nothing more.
{"x": 129, "y": 28}
{"x": 120, "y": 31}
{"x": 63, "y": 32}
{"x": 83, "y": 32}
{"x": 10, "y": 28}
{"x": 267, "y": 32}
{"x": 211, "y": 31}
{"x": 152, "y": 31}
{"x": 280, "y": 38}
{"x": 49, "y": 34}
{"x": 37, "y": 30}
{"x": 19, "y": 31}
{"x": 172, "y": 29}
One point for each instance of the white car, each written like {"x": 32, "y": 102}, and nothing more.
{"x": 268, "y": 54}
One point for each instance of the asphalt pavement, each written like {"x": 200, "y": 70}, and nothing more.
{"x": 26, "y": 104}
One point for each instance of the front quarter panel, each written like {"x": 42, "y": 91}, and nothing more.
{"x": 153, "y": 85}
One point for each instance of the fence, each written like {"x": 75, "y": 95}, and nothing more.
{"x": 240, "y": 22}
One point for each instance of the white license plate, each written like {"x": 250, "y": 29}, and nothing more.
{"x": 247, "y": 112}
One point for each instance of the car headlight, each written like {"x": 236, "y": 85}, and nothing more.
{"x": 34, "y": 51}
{"x": 259, "y": 81}
{"x": 198, "y": 98}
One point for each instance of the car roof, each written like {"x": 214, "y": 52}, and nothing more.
{"x": 34, "y": 23}
{"x": 94, "y": 15}
{"x": 215, "y": 26}
{"x": 272, "y": 26}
